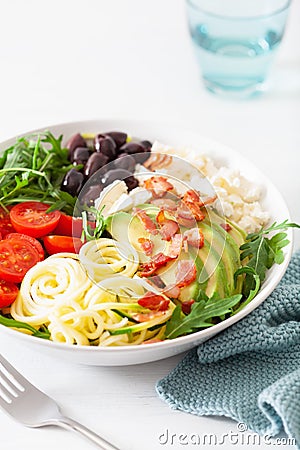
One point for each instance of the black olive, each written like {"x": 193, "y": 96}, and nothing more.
{"x": 142, "y": 157}
{"x": 118, "y": 136}
{"x": 94, "y": 163}
{"x": 115, "y": 174}
{"x": 90, "y": 194}
{"x": 72, "y": 182}
{"x": 131, "y": 183}
{"x": 80, "y": 155}
{"x": 125, "y": 161}
{"x": 146, "y": 144}
{"x": 131, "y": 148}
{"x": 74, "y": 142}
{"x": 105, "y": 145}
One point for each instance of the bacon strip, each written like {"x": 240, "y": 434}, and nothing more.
{"x": 192, "y": 200}
{"x": 184, "y": 216}
{"x": 146, "y": 245}
{"x": 160, "y": 260}
{"x": 146, "y": 221}
{"x": 194, "y": 237}
{"x": 186, "y": 273}
{"x": 166, "y": 203}
{"x": 154, "y": 302}
{"x": 168, "y": 227}
{"x": 158, "y": 186}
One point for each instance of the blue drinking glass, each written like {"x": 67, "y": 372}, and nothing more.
{"x": 235, "y": 42}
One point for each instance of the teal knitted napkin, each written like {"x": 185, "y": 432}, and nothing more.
{"x": 251, "y": 371}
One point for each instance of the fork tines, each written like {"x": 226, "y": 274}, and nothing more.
{"x": 9, "y": 385}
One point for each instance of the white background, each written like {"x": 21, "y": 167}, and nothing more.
{"x": 71, "y": 60}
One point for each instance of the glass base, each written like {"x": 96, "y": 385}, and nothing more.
{"x": 237, "y": 91}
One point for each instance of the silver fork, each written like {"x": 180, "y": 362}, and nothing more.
{"x": 33, "y": 408}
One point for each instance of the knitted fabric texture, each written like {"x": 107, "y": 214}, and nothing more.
{"x": 251, "y": 371}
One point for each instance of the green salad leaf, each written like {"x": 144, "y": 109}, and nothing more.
{"x": 261, "y": 252}
{"x": 201, "y": 315}
{"x": 32, "y": 170}
{"x": 9, "y": 322}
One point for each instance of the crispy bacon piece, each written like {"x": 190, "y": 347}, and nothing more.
{"x": 208, "y": 201}
{"x": 154, "y": 302}
{"x": 175, "y": 246}
{"x": 184, "y": 216}
{"x": 187, "y": 305}
{"x": 192, "y": 200}
{"x": 160, "y": 260}
{"x": 157, "y": 261}
{"x": 145, "y": 317}
{"x": 172, "y": 291}
{"x": 186, "y": 273}
{"x": 146, "y": 221}
{"x": 166, "y": 203}
{"x": 157, "y": 282}
{"x": 146, "y": 245}
{"x": 226, "y": 226}
{"x": 158, "y": 186}
{"x": 168, "y": 227}
{"x": 194, "y": 237}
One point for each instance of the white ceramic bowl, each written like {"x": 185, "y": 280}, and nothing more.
{"x": 272, "y": 202}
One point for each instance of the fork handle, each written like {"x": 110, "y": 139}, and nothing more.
{"x": 70, "y": 424}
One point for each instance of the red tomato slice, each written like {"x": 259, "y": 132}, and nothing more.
{"x": 60, "y": 244}
{"x": 8, "y": 293}
{"x": 70, "y": 226}
{"x": 31, "y": 218}
{"x": 17, "y": 256}
{"x": 5, "y": 224}
{"x": 34, "y": 242}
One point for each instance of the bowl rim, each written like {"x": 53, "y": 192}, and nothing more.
{"x": 198, "y": 336}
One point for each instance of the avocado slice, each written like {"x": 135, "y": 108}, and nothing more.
{"x": 124, "y": 227}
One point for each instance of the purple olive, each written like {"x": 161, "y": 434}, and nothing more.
{"x": 113, "y": 175}
{"x": 120, "y": 174}
{"x": 74, "y": 142}
{"x": 131, "y": 183}
{"x": 126, "y": 162}
{"x": 105, "y": 145}
{"x": 72, "y": 182}
{"x": 94, "y": 163}
{"x": 132, "y": 148}
{"x": 80, "y": 156}
{"x": 146, "y": 144}
{"x": 90, "y": 194}
{"x": 118, "y": 136}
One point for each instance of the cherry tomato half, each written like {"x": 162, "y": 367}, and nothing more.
{"x": 31, "y": 218}
{"x": 60, "y": 244}
{"x": 17, "y": 256}
{"x": 70, "y": 226}
{"x": 5, "y": 223}
{"x": 8, "y": 293}
{"x": 34, "y": 242}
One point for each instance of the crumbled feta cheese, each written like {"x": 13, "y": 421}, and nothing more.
{"x": 239, "y": 198}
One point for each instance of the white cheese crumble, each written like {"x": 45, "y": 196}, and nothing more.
{"x": 115, "y": 198}
{"x": 239, "y": 198}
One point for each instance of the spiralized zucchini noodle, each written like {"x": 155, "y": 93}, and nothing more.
{"x": 60, "y": 294}
{"x": 104, "y": 258}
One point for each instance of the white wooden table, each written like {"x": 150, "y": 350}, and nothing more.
{"x": 72, "y": 60}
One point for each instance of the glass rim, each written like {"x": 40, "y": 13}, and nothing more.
{"x": 244, "y": 18}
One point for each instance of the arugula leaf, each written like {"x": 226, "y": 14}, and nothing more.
{"x": 88, "y": 233}
{"x": 261, "y": 252}
{"x": 251, "y": 272}
{"x": 16, "y": 324}
{"x": 33, "y": 169}
{"x": 201, "y": 315}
